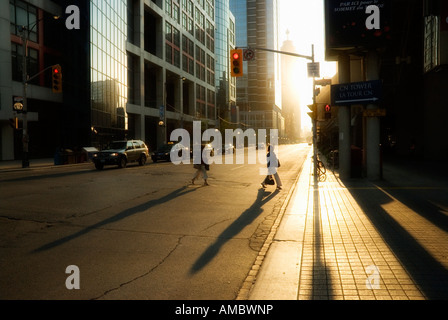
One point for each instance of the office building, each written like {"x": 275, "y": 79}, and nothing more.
{"x": 130, "y": 69}
{"x": 225, "y": 84}
{"x": 259, "y": 90}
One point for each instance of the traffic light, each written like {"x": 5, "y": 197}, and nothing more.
{"x": 14, "y": 123}
{"x": 236, "y": 62}
{"x": 56, "y": 79}
{"x": 313, "y": 113}
{"x": 327, "y": 112}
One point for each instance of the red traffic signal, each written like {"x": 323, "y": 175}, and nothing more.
{"x": 327, "y": 112}
{"x": 56, "y": 79}
{"x": 236, "y": 62}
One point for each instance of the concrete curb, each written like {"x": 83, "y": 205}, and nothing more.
{"x": 250, "y": 281}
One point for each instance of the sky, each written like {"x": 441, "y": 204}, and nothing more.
{"x": 305, "y": 21}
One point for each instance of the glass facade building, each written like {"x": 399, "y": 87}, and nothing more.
{"x": 108, "y": 68}
{"x": 225, "y": 41}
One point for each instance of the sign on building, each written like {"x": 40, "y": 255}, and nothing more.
{"x": 367, "y": 92}
{"x": 346, "y": 22}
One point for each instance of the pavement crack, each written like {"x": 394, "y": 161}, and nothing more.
{"x": 215, "y": 224}
{"x": 144, "y": 274}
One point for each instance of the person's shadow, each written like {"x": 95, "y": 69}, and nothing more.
{"x": 245, "y": 219}
{"x": 119, "y": 216}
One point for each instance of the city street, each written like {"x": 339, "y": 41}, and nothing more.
{"x": 136, "y": 233}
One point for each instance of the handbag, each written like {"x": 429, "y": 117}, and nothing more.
{"x": 207, "y": 167}
{"x": 269, "y": 180}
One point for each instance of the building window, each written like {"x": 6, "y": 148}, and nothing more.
{"x": 168, "y": 7}
{"x": 211, "y": 104}
{"x": 187, "y": 16}
{"x": 431, "y": 50}
{"x": 172, "y": 37}
{"x": 187, "y": 55}
{"x": 209, "y": 8}
{"x": 23, "y": 14}
{"x": 200, "y": 63}
{"x": 200, "y": 26}
{"x": 172, "y": 9}
{"x": 210, "y": 70}
{"x": 17, "y": 62}
{"x": 200, "y": 101}
{"x": 210, "y": 41}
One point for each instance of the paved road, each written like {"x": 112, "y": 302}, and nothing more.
{"x": 136, "y": 233}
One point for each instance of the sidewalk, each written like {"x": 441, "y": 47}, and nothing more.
{"x": 16, "y": 165}
{"x": 358, "y": 240}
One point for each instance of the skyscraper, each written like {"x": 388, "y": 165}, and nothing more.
{"x": 132, "y": 69}
{"x": 259, "y": 90}
{"x": 224, "y": 42}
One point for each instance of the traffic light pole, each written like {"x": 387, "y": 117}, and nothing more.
{"x": 312, "y": 58}
{"x": 314, "y": 123}
{"x": 25, "y": 136}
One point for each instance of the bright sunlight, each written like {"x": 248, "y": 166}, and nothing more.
{"x": 304, "y": 20}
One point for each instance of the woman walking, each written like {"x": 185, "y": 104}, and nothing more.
{"x": 201, "y": 168}
{"x": 273, "y": 163}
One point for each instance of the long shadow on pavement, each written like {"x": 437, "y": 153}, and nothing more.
{"x": 321, "y": 280}
{"x": 245, "y": 219}
{"x": 427, "y": 272}
{"x": 120, "y": 216}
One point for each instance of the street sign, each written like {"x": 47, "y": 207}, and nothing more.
{"x": 323, "y": 82}
{"x": 313, "y": 70}
{"x": 248, "y": 55}
{"x": 345, "y": 24}
{"x": 367, "y": 92}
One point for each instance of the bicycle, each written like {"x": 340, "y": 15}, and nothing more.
{"x": 321, "y": 171}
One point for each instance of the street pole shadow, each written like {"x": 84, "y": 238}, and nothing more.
{"x": 428, "y": 273}
{"x": 120, "y": 216}
{"x": 321, "y": 281}
{"x": 245, "y": 219}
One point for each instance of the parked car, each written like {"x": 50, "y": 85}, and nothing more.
{"x": 121, "y": 153}
{"x": 164, "y": 152}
